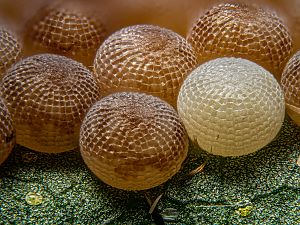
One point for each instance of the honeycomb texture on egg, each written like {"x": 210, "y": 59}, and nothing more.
{"x": 133, "y": 141}
{"x": 144, "y": 58}
{"x": 7, "y": 132}
{"x": 10, "y": 49}
{"x": 48, "y": 96}
{"x": 66, "y": 30}
{"x": 290, "y": 83}
{"x": 231, "y": 106}
{"x": 243, "y": 31}
{"x": 293, "y": 11}
{"x": 290, "y": 11}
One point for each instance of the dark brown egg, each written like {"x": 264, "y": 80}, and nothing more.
{"x": 144, "y": 58}
{"x": 48, "y": 96}
{"x": 67, "y": 29}
{"x": 7, "y": 133}
{"x": 10, "y": 49}
{"x": 290, "y": 83}
{"x": 244, "y": 31}
{"x": 133, "y": 141}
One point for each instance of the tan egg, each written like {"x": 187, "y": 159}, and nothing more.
{"x": 289, "y": 11}
{"x": 7, "y": 133}
{"x": 144, "y": 58}
{"x": 10, "y": 49}
{"x": 244, "y": 31}
{"x": 133, "y": 141}
{"x": 290, "y": 83}
{"x": 48, "y": 96}
{"x": 65, "y": 28}
{"x": 231, "y": 106}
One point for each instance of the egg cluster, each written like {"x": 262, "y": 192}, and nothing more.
{"x": 131, "y": 98}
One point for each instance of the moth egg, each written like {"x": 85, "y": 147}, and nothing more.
{"x": 290, "y": 83}
{"x": 133, "y": 141}
{"x": 47, "y": 96}
{"x": 242, "y": 31}
{"x": 144, "y": 58}
{"x": 231, "y": 106}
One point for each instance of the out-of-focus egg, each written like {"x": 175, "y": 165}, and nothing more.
{"x": 65, "y": 28}
{"x": 10, "y": 49}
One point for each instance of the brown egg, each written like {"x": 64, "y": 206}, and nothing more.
{"x": 144, "y": 58}
{"x": 133, "y": 141}
{"x": 10, "y": 49}
{"x": 290, "y": 10}
{"x": 244, "y": 31}
{"x": 290, "y": 83}
{"x": 65, "y": 28}
{"x": 7, "y": 133}
{"x": 48, "y": 96}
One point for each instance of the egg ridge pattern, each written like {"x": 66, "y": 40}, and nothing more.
{"x": 133, "y": 141}
{"x": 243, "y": 31}
{"x": 47, "y": 96}
{"x": 7, "y": 132}
{"x": 231, "y": 106}
{"x": 144, "y": 58}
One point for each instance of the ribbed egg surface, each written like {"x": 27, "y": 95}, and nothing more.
{"x": 65, "y": 29}
{"x": 7, "y": 132}
{"x": 291, "y": 86}
{"x": 10, "y": 49}
{"x": 144, "y": 58}
{"x": 133, "y": 141}
{"x": 244, "y": 31}
{"x": 231, "y": 106}
{"x": 48, "y": 96}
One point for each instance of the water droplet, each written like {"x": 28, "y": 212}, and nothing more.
{"x": 245, "y": 211}
{"x": 33, "y": 198}
{"x": 170, "y": 214}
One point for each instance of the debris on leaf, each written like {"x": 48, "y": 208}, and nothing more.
{"x": 245, "y": 211}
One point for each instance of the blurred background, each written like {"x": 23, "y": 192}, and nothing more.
{"x": 177, "y": 15}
